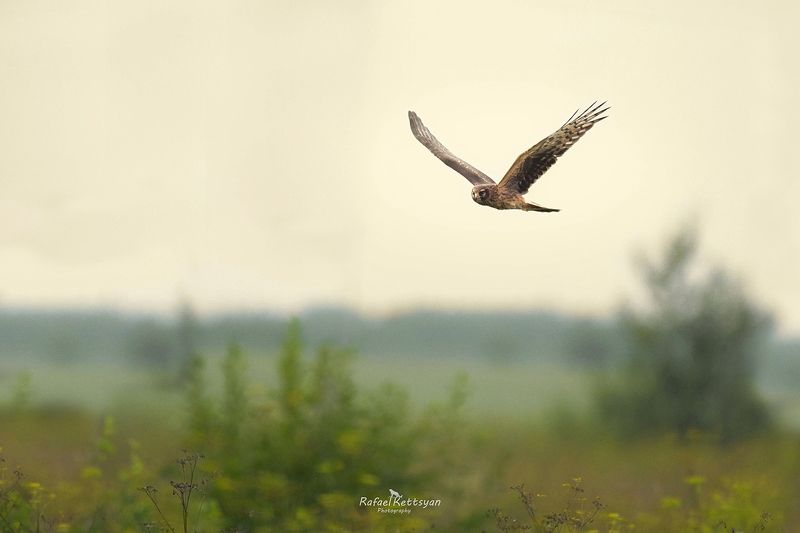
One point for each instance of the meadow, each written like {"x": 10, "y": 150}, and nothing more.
{"x": 679, "y": 416}
{"x": 290, "y": 440}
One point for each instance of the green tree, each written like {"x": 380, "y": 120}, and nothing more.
{"x": 692, "y": 351}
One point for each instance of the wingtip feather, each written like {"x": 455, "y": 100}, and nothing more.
{"x": 593, "y": 112}
{"x": 416, "y": 125}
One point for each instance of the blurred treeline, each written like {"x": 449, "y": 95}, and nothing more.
{"x": 161, "y": 340}
{"x": 504, "y": 336}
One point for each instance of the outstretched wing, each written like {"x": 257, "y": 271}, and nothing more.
{"x": 423, "y": 135}
{"x": 535, "y": 162}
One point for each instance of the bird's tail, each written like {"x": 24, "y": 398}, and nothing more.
{"x": 542, "y": 209}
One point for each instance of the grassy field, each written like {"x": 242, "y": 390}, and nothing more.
{"x": 86, "y": 437}
{"x": 515, "y": 390}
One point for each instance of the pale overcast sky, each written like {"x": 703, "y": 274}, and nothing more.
{"x": 257, "y": 154}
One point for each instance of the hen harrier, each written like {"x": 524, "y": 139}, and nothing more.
{"x": 526, "y": 169}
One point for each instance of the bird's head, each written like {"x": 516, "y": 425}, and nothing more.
{"x": 480, "y": 193}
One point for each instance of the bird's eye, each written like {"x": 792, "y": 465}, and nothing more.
{"x": 482, "y": 193}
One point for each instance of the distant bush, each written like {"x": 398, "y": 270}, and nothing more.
{"x": 692, "y": 351}
{"x": 593, "y": 343}
{"x": 152, "y": 343}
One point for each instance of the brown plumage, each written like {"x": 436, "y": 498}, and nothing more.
{"x": 528, "y": 167}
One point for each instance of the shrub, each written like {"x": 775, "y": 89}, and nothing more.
{"x": 692, "y": 350}
{"x": 301, "y": 460}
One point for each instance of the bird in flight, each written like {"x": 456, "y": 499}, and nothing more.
{"x": 528, "y": 167}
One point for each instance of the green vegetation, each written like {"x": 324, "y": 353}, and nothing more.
{"x": 736, "y": 506}
{"x": 299, "y": 459}
{"x": 677, "y": 418}
{"x": 300, "y": 455}
{"x": 692, "y": 357}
